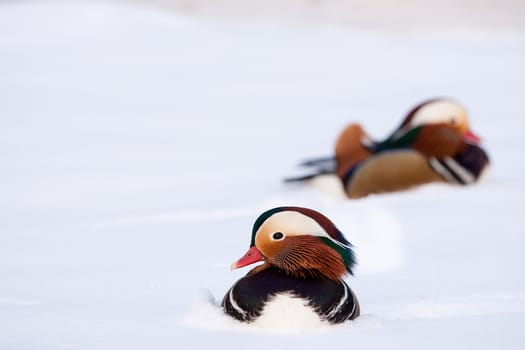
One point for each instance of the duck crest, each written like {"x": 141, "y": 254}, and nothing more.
{"x": 322, "y": 220}
{"x": 412, "y": 113}
{"x": 434, "y": 122}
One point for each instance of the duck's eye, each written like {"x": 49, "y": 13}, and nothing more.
{"x": 278, "y": 235}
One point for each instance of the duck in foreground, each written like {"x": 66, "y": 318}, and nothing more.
{"x": 304, "y": 259}
{"x": 432, "y": 144}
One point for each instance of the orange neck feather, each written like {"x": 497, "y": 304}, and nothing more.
{"x": 308, "y": 256}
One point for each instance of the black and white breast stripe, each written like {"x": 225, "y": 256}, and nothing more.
{"x": 464, "y": 168}
{"x": 333, "y": 301}
{"x": 231, "y": 306}
{"x": 347, "y": 307}
{"x": 452, "y": 171}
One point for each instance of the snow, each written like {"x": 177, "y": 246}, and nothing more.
{"x": 138, "y": 146}
{"x": 463, "y": 17}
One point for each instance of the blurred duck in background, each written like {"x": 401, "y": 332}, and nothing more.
{"x": 432, "y": 144}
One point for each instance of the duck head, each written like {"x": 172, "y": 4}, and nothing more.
{"x": 430, "y": 126}
{"x": 301, "y": 242}
{"x": 439, "y": 112}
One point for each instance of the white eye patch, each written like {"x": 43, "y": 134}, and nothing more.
{"x": 292, "y": 223}
{"x": 438, "y": 112}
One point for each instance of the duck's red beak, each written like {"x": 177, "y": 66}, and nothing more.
{"x": 470, "y": 136}
{"x": 253, "y": 255}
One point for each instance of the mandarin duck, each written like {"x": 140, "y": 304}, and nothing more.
{"x": 432, "y": 144}
{"x": 305, "y": 258}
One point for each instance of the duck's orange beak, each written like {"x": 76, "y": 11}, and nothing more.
{"x": 253, "y": 255}
{"x": 470, "y": 136}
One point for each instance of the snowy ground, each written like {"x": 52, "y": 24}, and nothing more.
{"x": 138, "y": 146}
{"x": 477, "y": 17}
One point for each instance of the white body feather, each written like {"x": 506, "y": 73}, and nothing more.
{"x": 286, "y": 311}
